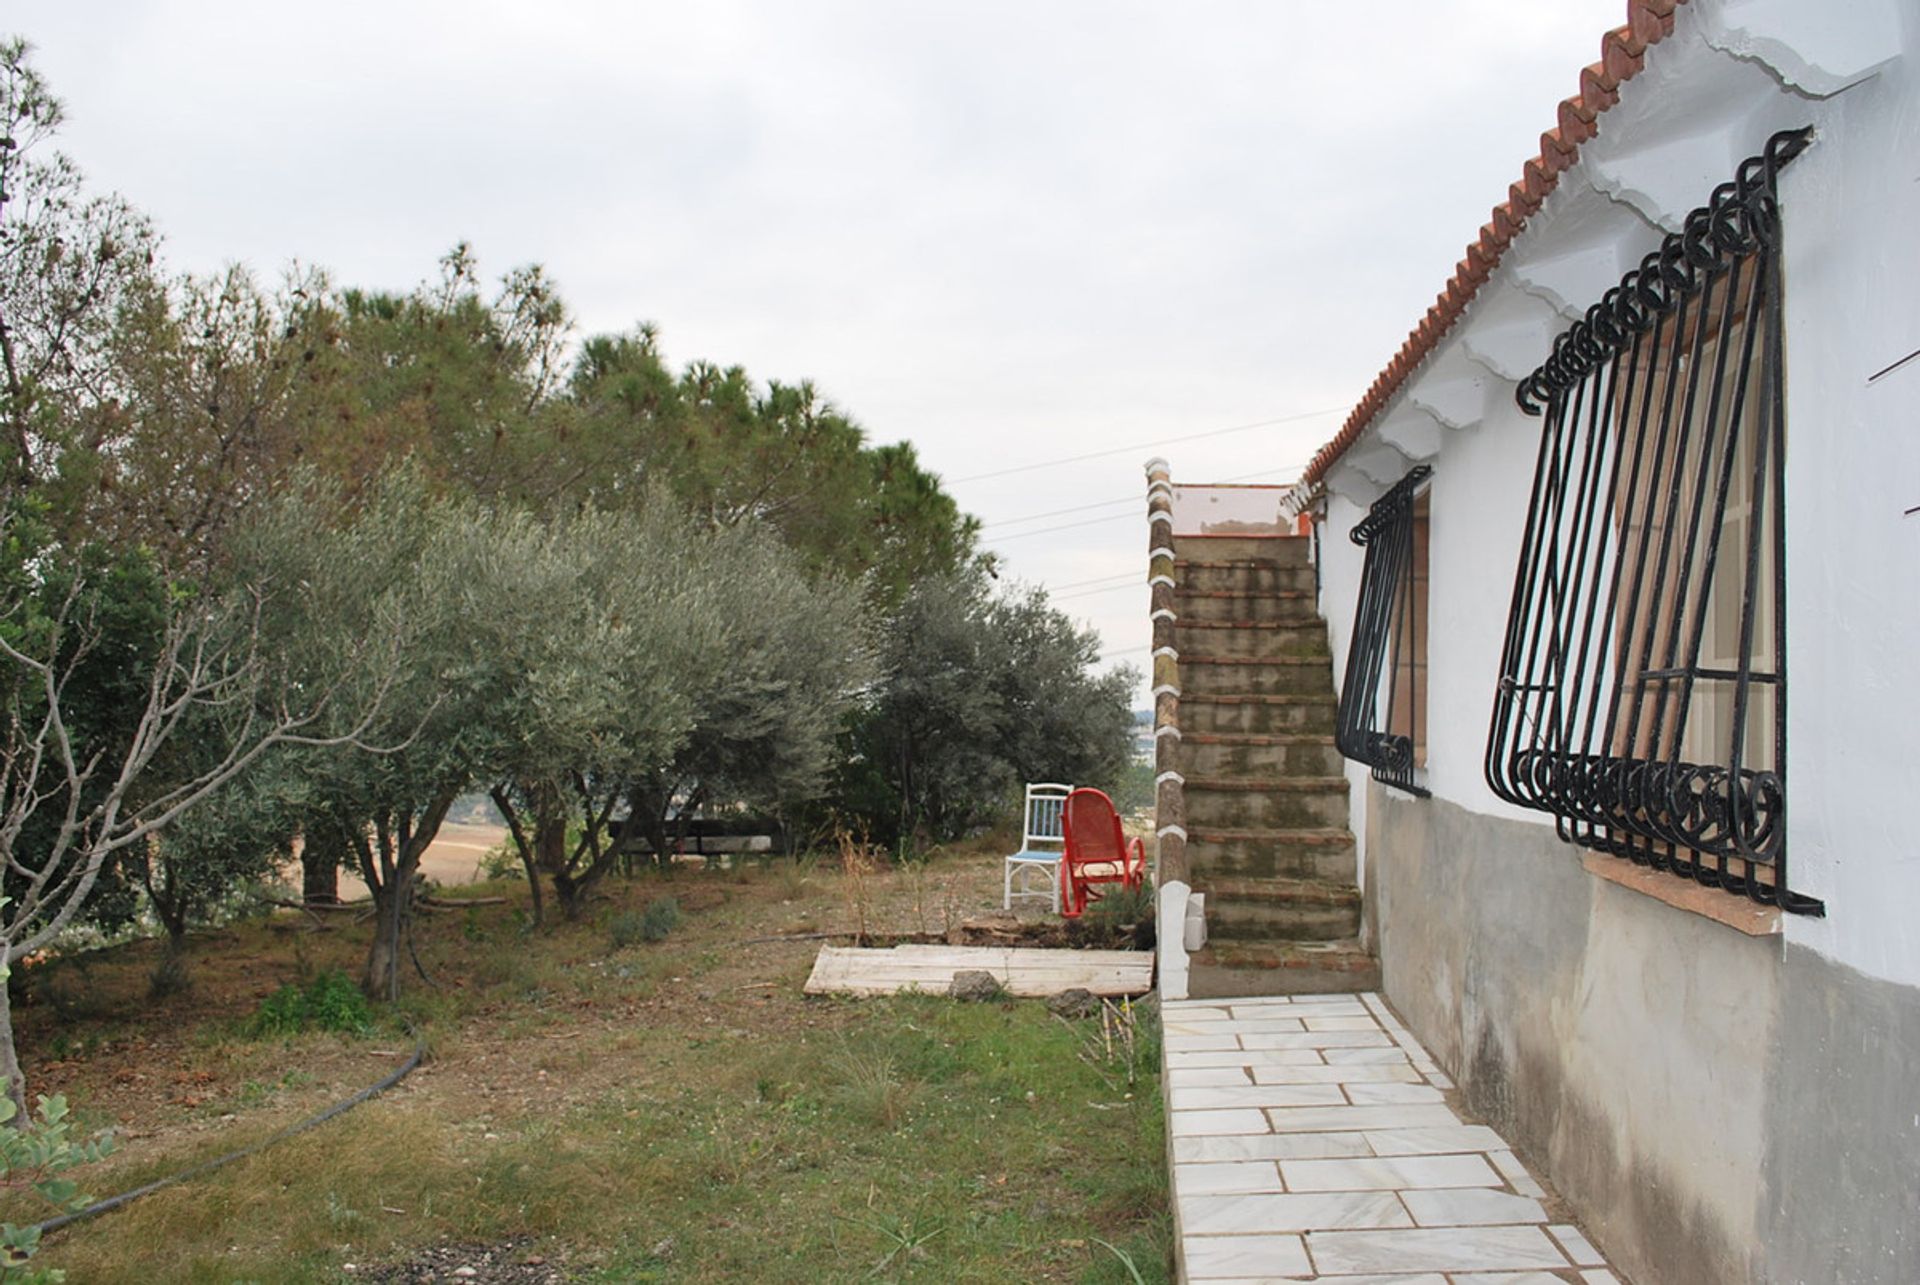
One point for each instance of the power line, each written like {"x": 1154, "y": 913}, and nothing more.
{"x": 1081, "y": 584}
{"x": 1147, "y": 446}
{"x": 1133, "y": 582}
{"x": 1054, "y": 513}
{"x": 1126, "y": 499}
{"x": 1067, "y": 526}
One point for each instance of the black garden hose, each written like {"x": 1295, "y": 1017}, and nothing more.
{"x": 219, "y": 1162}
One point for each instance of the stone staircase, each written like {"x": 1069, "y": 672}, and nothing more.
{"x": 1266, "y": 792}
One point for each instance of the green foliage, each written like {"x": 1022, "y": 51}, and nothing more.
{"x": 979, "y": 693}
{"x": 660, "y": 919}
{"x": 34, "y": 1157}
{"x": 655, "y": 923}
{"x": 328, "y": 1002}
{"x": 1134, "y": 791}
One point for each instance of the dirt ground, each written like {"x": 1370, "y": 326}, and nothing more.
{"x": 452, "y": 860}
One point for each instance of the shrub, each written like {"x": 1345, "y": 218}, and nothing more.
{"x": 34, "y": 1157}
{"x": 630, "y": 927}
{"x": 328, "y": 1002}
{"x": 660, "y": 919}
{"x": 1121, "y": 916}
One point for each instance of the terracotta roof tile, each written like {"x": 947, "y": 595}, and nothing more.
{"x": 1622, "y": 56}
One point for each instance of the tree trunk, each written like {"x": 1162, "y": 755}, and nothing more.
{"x": 550, "y": 851}
{"x": 16, "y": 1083}
{"x": 504, "y": 801}
{"x": 401, "y": 848}
{"x": 320, "y": 859}
{"x": 380, "y": 980}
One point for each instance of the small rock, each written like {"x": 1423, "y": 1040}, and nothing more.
{"x": 663, "y": 1251}
{"x": 465, "y": 1272}
{"x": 975, "y": 985}
{"x": 1077, "y": 1002}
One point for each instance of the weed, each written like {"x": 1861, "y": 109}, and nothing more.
{"x": 873, "y": 1086}
{"x": 1116, "y": 918}
{"x": 856, "y": 870}
{"x": 170, "y": 976}
{"x": 1126, "y": 1260}
{"x": 328, "y": 1002}
{"x": 500, "y": 862}
{"x": 1127, "y": 1043}
{"x": 795, "y": 877}
{"x": 631, "y": 927}
{"x": 660, "y": 919}
{"x": 904, "y": 1236}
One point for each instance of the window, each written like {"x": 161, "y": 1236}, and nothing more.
{"x": 1390, "y": 639}
{"x": 1642, "y": 696}
{"x": 1407, "y": 694}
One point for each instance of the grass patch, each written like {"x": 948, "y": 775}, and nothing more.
{"x": 328, "y": 1002}
{"x": 677, "y": 1114}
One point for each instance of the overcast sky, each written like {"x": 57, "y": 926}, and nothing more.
{"x": 1007, "y": 232}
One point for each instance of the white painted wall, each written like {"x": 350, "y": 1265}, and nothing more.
{"x": 1851, "y": 207}
{"x": 1733, "y": 72}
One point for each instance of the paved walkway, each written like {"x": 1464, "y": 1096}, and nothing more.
{"x": 1312, "y": 1141}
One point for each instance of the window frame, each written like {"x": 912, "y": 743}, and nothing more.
{"x": 1361, "y": 732}
{"x": 1638, "y": 445}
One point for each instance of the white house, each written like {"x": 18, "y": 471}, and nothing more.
{"x": 1642, "y": 499}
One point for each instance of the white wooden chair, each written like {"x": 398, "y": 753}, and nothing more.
{"x": 1042, "y": 839}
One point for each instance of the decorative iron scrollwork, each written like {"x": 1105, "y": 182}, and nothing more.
{"x": 1385, "y": 583}
{"x": 1642, "y": 698}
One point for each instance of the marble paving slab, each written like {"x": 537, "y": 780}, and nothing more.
{"x": 1313, "y": 1138}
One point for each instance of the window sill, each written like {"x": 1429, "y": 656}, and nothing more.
{"x": 1419, "y": 793}
{"x": 1737, "y": 913}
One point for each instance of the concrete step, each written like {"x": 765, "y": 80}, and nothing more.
{"x": 1204, "y": 675}
{"x": 1207, "y": 713}
{"x": 1265, "y": 754}
{"x": 1278, "y": 909}
{"x": 1230, "y": 803}
{"x": 1293, "y": 606}
{"x": 1235, "y": 968}
{"x": 1281, "y": 550}
{"x": 1307, "y": 852}
{"x": 1251, "y": 637}
{"x": 1241, "y": 575}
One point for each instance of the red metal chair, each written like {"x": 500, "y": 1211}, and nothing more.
{"x": 1097, "y": 852}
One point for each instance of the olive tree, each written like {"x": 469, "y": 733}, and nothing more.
{"x": 105, "y": 666}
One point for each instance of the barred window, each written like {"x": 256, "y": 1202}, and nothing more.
{"x": 1388, "y": 651}
{"x": 1643, "y": 688}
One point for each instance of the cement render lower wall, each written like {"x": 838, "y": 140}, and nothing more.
{"x": 1717, "y": 1107}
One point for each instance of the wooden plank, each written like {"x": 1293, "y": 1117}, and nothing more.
{"x": 1024, "y": 971}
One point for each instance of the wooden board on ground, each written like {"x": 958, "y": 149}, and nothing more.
{"x": 1024, "y": 971}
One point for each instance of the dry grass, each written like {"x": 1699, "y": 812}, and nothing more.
{"x": 675, "y": 1110}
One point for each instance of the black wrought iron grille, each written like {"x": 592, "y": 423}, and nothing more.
{"x": 1382, "y": 623}
{"x": 1643, "y": 686}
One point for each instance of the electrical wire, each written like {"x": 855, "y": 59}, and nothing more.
{"x": 1101, "y": 580}
{"x": 1067, "y": 526}
{"x": 1127, "y": 499}
{"x": 1145, "y": 446}
{"x": 1133, "y": 582}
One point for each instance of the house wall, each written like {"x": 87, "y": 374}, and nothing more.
{"x": 1718, "y": 1106}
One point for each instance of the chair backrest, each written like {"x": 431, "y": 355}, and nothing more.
{"x": 1092, "y": 828}
{"x": 1045, "y": 824}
